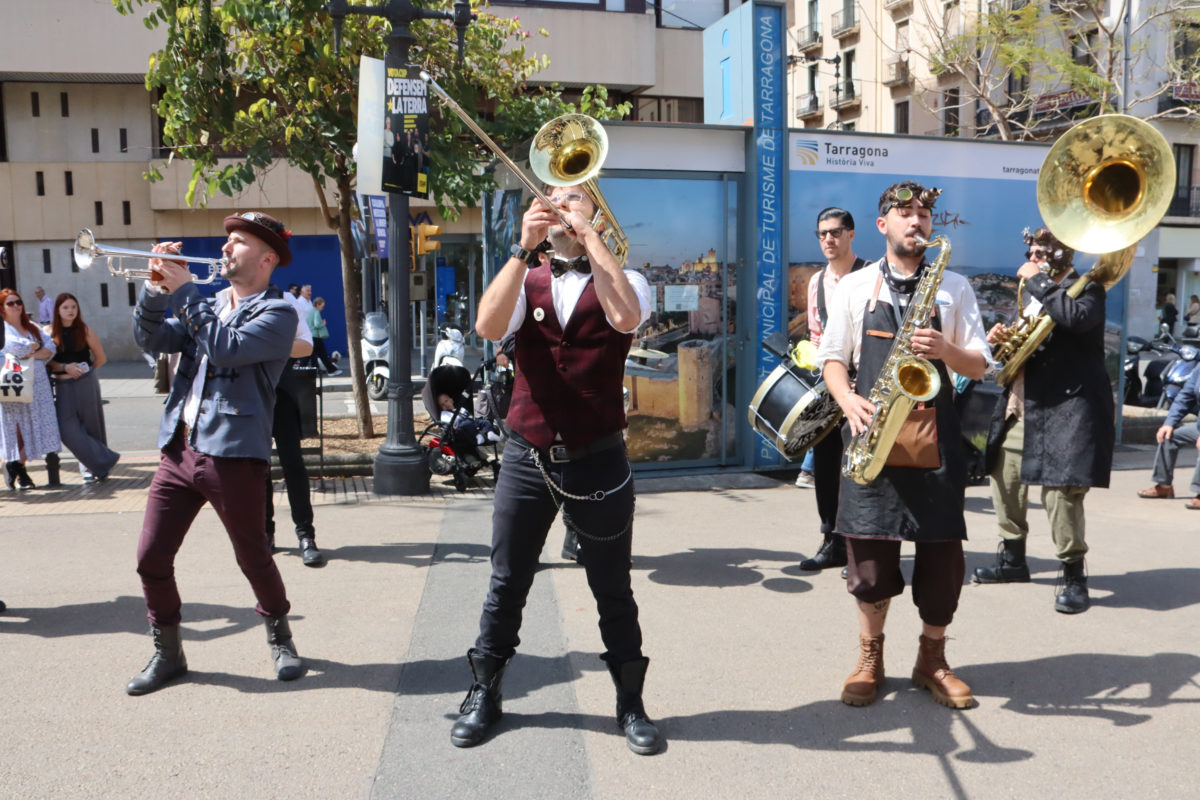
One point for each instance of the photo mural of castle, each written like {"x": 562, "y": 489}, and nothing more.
{"x": 679, "y": 363}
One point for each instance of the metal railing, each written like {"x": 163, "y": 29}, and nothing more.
{"x": 895, "y": 72}
{"x": 845, "y": 93}
{"x": 1185, "y": 203}
{"x": 808, "y": 105}
{"x": 808, "y": 37}
{"x": 844, "y": 22}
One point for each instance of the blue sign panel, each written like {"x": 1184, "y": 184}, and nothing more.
{"x": 769, "y": 189}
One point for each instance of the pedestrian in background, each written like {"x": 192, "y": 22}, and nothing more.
{"x": 28, "y": 430}
{"x": 45, "y": 306}
{"x": 79, "y": 406}
{"x": 1170, "y": 314}
{"x": 320, "y": 332}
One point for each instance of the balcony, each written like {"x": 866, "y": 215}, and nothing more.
{"x": 808, "y": 105}
{"x": 845, "y": 22}
{"x": 1185, "y": 203}
{"x": 1068, "y": 7}
{"x": 845, "y": 94}
{"x": 808, "y": 38}
{"x": 897, "y": 5}
{"x": 895, "y": 72}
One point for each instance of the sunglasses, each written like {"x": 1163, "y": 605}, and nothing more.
{"x": 834, "y": 232}
{"x": 14, "y": 302}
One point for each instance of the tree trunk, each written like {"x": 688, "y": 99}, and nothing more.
{"x": 352, "y": 286}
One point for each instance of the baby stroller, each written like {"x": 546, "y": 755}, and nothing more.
{"x": 457, "y": 442}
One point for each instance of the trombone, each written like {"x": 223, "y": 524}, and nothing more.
{"x": 87, "y": 250}
{"x": 567, "y": 151}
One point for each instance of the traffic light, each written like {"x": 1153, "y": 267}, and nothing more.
{"x": 412, "y": 249}
{"x": 425, "y": 242}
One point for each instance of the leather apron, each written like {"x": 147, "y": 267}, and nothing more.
{"x": 906, "y": 503}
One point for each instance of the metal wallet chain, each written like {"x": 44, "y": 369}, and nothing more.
{"x": 595, "y": 497}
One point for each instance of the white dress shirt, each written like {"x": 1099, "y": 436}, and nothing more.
{"x": 566, "y": 290}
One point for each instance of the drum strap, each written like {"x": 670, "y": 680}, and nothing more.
{"x": 822, "y": 309}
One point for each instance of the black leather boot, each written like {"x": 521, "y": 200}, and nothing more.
{"x": 640, "y": 734}
{"x": 570, "y": 549}
{"x": 1073, "y": 599}
{"x": 1010, "y": 564}
{"x": 53, "y": 471}
{"x": 167, "y": 663}
{"x": 10, "y": 474}
{"x": 23, "y": 479}
{"x": 288, "y": 665}
{"x": 832, "y": 553}
{"x": 481, "y": 708}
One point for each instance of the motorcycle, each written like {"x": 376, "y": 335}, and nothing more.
{"x": 376, "y": 352}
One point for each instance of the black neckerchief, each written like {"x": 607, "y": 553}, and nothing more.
{"x": 901, "y": 288}
{"x": 581, "y": 265}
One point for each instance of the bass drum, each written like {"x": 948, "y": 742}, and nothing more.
{"x": 792, "y": 412}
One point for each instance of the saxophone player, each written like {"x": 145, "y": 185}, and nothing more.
{"x": 1054, "y": 427}
{"x": 922, "y": 503}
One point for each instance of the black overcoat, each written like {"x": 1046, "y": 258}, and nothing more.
{"x": 1069, "y": 428}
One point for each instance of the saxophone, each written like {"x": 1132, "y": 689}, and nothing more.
{"x": 905, "y": 380}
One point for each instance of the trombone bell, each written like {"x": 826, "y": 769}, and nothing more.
{"x": 87, "y": 250}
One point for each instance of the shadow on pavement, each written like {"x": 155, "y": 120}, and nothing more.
{"x": 713, "y": 567}
{"x": 126, "y": 614}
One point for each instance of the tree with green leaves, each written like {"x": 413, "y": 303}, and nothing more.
{"x": 246, "y": 85}
{"x": 1009, "y": 56}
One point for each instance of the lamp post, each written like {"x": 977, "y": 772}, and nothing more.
{"x": 836, "y": 60}
{"x": 400, "y": 467}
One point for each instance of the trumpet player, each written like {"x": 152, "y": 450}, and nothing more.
{"x": 922, "y": 502}
{"x": 215, "y": 433}
{"x": 573, "y": 322}
{"x": 1054, "y": 426}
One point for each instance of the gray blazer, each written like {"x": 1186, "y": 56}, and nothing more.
{"x": 246, "y": 356}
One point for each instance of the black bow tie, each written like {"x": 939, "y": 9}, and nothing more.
{"x": 558, "y": 266}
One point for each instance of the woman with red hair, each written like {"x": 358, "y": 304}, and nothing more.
{"x": 77, "y": 389}
{"x": 27, "y": 430}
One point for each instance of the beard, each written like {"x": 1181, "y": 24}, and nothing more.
{"x": 901, "y": 247}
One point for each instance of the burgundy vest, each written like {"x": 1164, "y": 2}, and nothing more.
{"x": 568, "y": 381}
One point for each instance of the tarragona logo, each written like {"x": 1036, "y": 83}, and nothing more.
{"x": 806, "y": 151}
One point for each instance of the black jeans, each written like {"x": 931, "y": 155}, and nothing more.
{"x": 524, "y": 510}
{"x": 286, "y": 431}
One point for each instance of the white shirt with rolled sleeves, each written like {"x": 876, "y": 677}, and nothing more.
{"x": 957, "y": 307}
{"x": 568, "y": 288}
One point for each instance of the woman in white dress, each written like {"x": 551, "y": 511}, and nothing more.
{"x": 27, "y": 430}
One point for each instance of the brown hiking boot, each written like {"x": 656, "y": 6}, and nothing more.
{"x": 861, "y": 687}
{"x": 933, "y": 673}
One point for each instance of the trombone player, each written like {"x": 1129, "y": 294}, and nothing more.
{"x": 573, "y": 321}
{"x": 1054, "y": 426}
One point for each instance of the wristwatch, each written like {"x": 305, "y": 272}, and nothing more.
{"x": 530, "y": 257}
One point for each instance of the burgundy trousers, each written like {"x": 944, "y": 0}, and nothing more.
{"x": 236, "y": 488}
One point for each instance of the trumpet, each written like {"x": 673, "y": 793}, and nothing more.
{"x": 567, "y": 151}
{"x": 87, "y": 250}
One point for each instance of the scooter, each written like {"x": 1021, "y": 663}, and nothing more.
{"x": 1149, "y": 389}
{"x": 451, "y": 348}
{"x": 1177, "y": 373}
{"x": 376, "y": 353}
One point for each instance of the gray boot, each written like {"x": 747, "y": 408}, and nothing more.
{"x": 167, "y": 663}
{"x": 641, "y": 735}
{"x": 288, "y": 665}
{"x": 481, "y": 708}
{"x": 1010, "y": 564}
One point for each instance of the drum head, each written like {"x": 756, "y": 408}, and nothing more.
{"x": 793, "y": 413}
